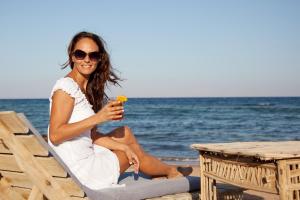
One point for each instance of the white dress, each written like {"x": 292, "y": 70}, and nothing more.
{"x": 95, "y": 166}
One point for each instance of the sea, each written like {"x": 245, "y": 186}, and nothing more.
{"x": 166, "y": 127}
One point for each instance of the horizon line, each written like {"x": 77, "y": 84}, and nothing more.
{"x": 179, "y": 97}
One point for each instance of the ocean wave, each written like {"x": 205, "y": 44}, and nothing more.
{"x": 192, "y": 159}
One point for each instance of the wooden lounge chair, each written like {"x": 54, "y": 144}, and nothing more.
{"x": 30, "y": 169}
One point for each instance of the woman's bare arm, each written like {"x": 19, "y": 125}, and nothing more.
{"x": 61, "y": 110}
{"x": 107, "y": 142}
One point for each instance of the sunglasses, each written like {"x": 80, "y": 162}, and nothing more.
{"x": 80, "y": 55}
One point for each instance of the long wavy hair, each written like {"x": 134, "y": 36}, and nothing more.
{"x": 103, "y": 74}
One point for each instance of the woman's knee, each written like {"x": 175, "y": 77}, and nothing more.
{"x": 129, "y": 136}
{"x": 123, "y": 134}
{"x": 127, "y": 129}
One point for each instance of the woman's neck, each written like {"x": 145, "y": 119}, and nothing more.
{"x": 79, "y": 79}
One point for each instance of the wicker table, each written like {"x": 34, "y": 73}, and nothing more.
{"x": 272, "y": 167}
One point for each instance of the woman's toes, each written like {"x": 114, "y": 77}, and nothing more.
{"x": 185, "y": 171}
{"x": 180, "y": 172}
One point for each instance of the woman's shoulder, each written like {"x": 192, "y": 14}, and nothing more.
{"x": 66, "y": 81}
{"x": 67, "y": 85}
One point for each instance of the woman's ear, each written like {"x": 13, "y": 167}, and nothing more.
{"x": 72, "y": 59}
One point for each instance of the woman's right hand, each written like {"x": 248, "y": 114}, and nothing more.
{"x": 113, "y": 110}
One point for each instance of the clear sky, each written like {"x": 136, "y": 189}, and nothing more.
{"x": 161, "y": 48}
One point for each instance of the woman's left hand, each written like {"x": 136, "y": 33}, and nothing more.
{"x": 132, "y": 158}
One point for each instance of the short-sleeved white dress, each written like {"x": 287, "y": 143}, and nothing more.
{"x": 95, "y": 166}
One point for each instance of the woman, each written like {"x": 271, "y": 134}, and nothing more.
{"x": 76, "y": 109}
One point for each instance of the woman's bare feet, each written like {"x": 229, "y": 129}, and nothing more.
{"x": 176, "y": 172}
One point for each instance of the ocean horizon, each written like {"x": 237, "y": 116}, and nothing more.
{"x": 167, "y": 126}
{"x": 171, "y": 97}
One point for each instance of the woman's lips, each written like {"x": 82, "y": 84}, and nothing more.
{"x": 86, "y": 66}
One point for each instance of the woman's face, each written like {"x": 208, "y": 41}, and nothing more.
{"x": 84, "y": 56}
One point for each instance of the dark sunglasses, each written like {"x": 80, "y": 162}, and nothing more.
{"x": 80, "y": 55}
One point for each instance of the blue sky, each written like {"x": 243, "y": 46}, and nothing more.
{"x": 161, "y": 48}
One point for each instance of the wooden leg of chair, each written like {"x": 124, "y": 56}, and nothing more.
{"x": 215, "y": 189}
{"x": 282, "y": 182}
{"x": 211, "y": 189}
{"x": 203, "y": 188}
{"x": 210, "y": 196}
{"x": 6, "y": 193}
{"x": 35, "y": 194}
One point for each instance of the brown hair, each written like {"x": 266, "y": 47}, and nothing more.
{"x": 101, "y": 76}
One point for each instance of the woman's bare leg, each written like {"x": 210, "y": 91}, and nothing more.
{"x": 148, "y": 164}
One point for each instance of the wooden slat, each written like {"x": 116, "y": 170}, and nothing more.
{"x": 35, "y": 147}
{"x": 22, "y": 180}
{"x": 30, "y": 142}
{"x": 261, "y": 150}
{"x": 17, "y": 179}
{"x": 295, "y": 173}
{"x": 240, "y": 185}
{"x": 35, "y": 194}
{"x": 52, "y": 166}
{"x": 293, "y": 161}
{"x": 8, "y": 163}
{"x": 70, "y": 186}
{"x": 295, "y": 186}
{"x": 14, "y": 124}
{"x": 24, "y": 192}
{"x": 37, "y": 173}
{"x": 79, "y": 198}
{"x": 3, "y": 147}
{"x": 6, "y": 193}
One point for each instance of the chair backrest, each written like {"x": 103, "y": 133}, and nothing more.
{"x": 27, "y": 168}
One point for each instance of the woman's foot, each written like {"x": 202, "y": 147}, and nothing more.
{"x": 176, "y": 172}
